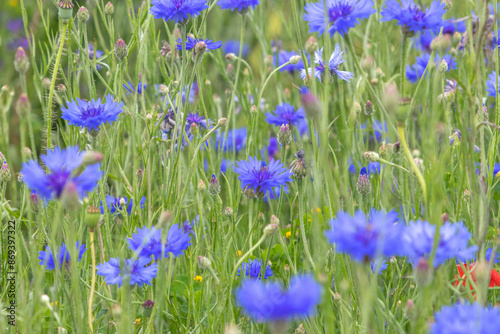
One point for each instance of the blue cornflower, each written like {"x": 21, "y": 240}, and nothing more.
{"x": 131, "y": 89}
{"x": 255, "y": 175}
{"x": 285, "y": 114}
{"x": 268, "y": 301}
{"x": 418, "y": 240}
{"x": 284, "y": 57}
{"x": 61, "y": 164}
{"x": 373, "y": 168}
{"x": 115, "y": 206}
{"x": 333, "y": 64}
{"x": 416, "y": 71}
{"x": 195, "y": 118}
{"x": 177, "y": 10}
{"x": 275, "y": 193}
{"x": 465, "y": 319}
{"x": 451, "y": 26}
{"x": 48, "y": 258}
{"x": 341, "y": 15}
{"x": 253, "y": 269}
{"x": 138, "y": 271}
{"x": 378, "y": 265}
{"x": 191, "y": 43}
{"x": 91, "y": 115}
{"x": 233, "y": 46}
{"x": 366, "y": 238}
{"x": 412, "y": 18}
{"x": 491, "y": 84}
{"x": 239, "y": 136}
{"x": 147, "y": 242}
{"x": 239, "y": 5}
{"x": 188, "y": 226}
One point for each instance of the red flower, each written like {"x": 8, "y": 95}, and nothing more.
{"x": 494, "y": 276}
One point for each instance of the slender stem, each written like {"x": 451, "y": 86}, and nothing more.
{"x": 92, "y": 284}
{"x": 302, "y": 228}
{"x": 52, "y": 86}
{"x": 404, "y": 49}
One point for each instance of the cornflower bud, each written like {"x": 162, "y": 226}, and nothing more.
{"x": 371, "y": 156}
{"x": 121, "y": 49}
{"x": 65, "y": 9}
{"x": 83, "y": 15}
{"x": 369, "y": 109}
{"x": 21, "y": 62}
{"x": 109, "y": 9}
{"x": 284, "y": 135}
{"x": 214, "y": 187}
{"x": 363, "y": 186}
{"x": 311, "y": 45}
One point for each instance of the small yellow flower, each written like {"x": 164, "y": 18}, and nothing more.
{"x": 13, "y": 3}
{"x": 137, "y": 321}
{"x": 54, "y": 303}
{"x": 288, "y": 234}
{"x": 318, "y": 210}
{"x": 198, "y": 278}
{"x": 238, "y": 253}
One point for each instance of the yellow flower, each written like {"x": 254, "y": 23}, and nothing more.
{"x": 288, "y": 234}
{"x": 198, "y": 278}
{"x": 238, "y": 253}
{"x": 137, "y": 321}
{"x": 318, "y": 209}
{"x": 54, "y": 303}
{"x": 13, "y": 3}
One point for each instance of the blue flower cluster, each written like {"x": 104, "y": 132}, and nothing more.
{"x": 253, "y": 269}
{"x": 465, "y": 319}
{"x": 60, "y": 257}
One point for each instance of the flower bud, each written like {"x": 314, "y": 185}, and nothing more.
{"x": 311, "y": 104}
{"x": 92, "y": 217}
{"x": 409, "y": 310}
{"x": 275, "y": 220}
{"x": 5, "y": 174}
{"x": 109, "y": 9}
{"x": 228, "y": 212}
{"x": 369, "y": 109}
{"x": 164, "y": 219}
{"x": 383, "y": 150}
{"x": 199, "y": 51}
{"x": 23, "y": 105}
{"x": 311, "y": 45}
{"x": 371, "y": 156}
{"x": 21, "y": 62}
{"x": 294, "y": 60}
{"x": 69, "y": 196}
{"x": 441, "y": 43}
{"x": 148, "y": 307}
{"x": 457, "y": 38}
{"x": 363, "y": 186}
{"x": 222, "y": 122}
{"x": 298, "y": 166}
{"x": 46, "y": 83}
{"x": 65, "y": 9}
{"x": 121, "y": 49}
{"x": 443, "y": 66}
{"x": 367, "y": 63}
{"x": 201, "y": 185}
{"x": 230, "y": 57}
{"x": 164, "y": 90}
{"x": 229, "y": 70}
{"x": 423, "y": 273}
{"x": 270, "y": 229}
{"x": 91, "y": 157}
{"x": 253, "y": 109}
{"x": 214, "y": 187}
{"x": 284, "y": 135}
{"x": 204, "y": 262}
{"x": 83, "y": 15}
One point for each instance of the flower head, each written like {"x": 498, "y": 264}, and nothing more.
{"x": 366, "y": 238}
{"x": 137, "y": 271}
{"x": 116, "y": 204}
{"x": 465, "y": 319}
{"x": 191, "y": 43}
{"x": 491, "y": 84}
{"x": 61, "y": 164}
{"x": 418, "y": 239}
{"x": 416, "y": 71}
{"x": 333, "y": 65}
{"x": 177, "y": 10}
{"x": 269, "y": 301}
{"x": 195, "y": 118}
{"x": 239, "y": 5}
{"x": 253, "y": 269}
{"x": 147, "y": 242}
{"x": 285, "y": 114}
{"x": 91, "y": 115}
{"x": 61, "y": 256}
{"x": 411, "y": 18}
{"x": 261, "y": 178}
{"x": 340, "y": 16}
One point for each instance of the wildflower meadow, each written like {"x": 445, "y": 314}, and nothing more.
{"x": 249, "y": 166}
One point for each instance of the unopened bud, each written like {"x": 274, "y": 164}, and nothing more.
{"x": 230, "y": 57}
{"x": 204, "y": 262}
{"x": 261, "y": 216}
{"x": 164, "y": 219}
{"x": 148, "y": 307}
{"x": 371, "y": 156}
{"x": 284, "y": 135}
{"x": 121, "y": 49}
{"x": 368, "y": 63}
{"x": 46, "y": 83}
{"x": 21, "y": 62}
{"x": 222, "y": 122}
{"x": 214, "y": 187}
{"x": 300, "y": 330}
{"x": 295, "y": 60}
{"x": 5, "y": 174}
{"x": 253, "y": 109}
{"x": 45, "y": 300}
{"x": 382, "y": 151}
{"x": 23, "y": 105}
{"x": 311, "y": 45}
{"x": 199, "y": 51}
{"x": 91, "y": 157}
{"x": 423, "y": 273}
{"x": 230, "y": 70}
{"x": 61, "y": 88}
{"x": 363, "y": 186}
{"x": 228, "y": 212}
{"x": 443, "y": 66}
{"x": 83, "y": 15}
{"x": 369, "y": 109}
{"x": 109, "y": 9}
{"x": 164, "y": 90}
{"x": 270, "y": 229}
{"x": 201, "y": 185}
{"x": 69, "y": 196}
{"x": 92, "y": 216}
{"x": 274, "y": 220}
{"x": 65, "y": 9}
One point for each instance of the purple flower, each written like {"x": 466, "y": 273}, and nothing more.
{"x": 253, "y": 269}
{"x": 91, "y": 115}
{"x": 416, "y": 71}
{"x": 491, "y": 84}
{"x": 195, "y": 119}
{"x": 15, "y": 25}
{"x": 61, "y": 164}
{"x": 285, "y": 114}
{"x": 418, "y": 240}
{"x": 177, "y": 10}
{"x": 137, "y": 271}
{"x": 255, "y": 174}
{"x": 115, "y": 206}
{"x": 49, "y": 258}
{"x": 333, "y": 65}
{"x": 340, "y": 16}
{"x": 412, "y": 18}
{"x": 191, "y": 43}
{"x": 465, "y": 319}
{"x": 366, "y": 238}
{"x": 268, "y": 301}
{"x": 239, "y": 5}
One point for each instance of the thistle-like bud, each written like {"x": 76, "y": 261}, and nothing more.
{"x": 230, "y": 70}
{"x": 121, "y": 49}
{"x": 148, "y": 307}
{"x": 230, "y": 57}
{"x": 457, "y": 38}
{"x": 199, "y": 51}
{"x": 21, "y": 62}
{"x": 298, "y": 166}
{"x": 300, "y": 330}
{"x": 294, "y": 60}
{"x": 369, "y": 109}
{"x": 363, "y": 186}
{"x": 423, "y": 273}
{"x": 65, "y": 9}
{"x": 5, "y": 174}
{"x": 92, "y": 216}
{"x": 69, "y": 196}
{"x": 443, "y": 66}
{"x": 83, "y": 15}
{"x": 61, "y": 88}
{"x": 441, "y": 43}
{"x": 284, "y": 135}
{"x": 311, "y": 45}
{"x": 164, "y": 90}
{"x": 201, "y": 185}
{"x": 204, "y": 262}
{"x": 109, "y": 9}
{"x": 46, "y": 83}
{"x": 23, "y": 105}
{"x": 371, "y": 156}
{"x": 368, "y": 63}
{"x": 253, "y": 109}
{"x": 91, "y": 157}
{"x": 274, "y": 220}
{"x": 164, "y": 219}
{"x": 222, "y": 122}
{"x": 383, "y": 150}
{"x": 270, "y": 229}
{"x": 214, "y": 186}
{"x": 228, "y": 212}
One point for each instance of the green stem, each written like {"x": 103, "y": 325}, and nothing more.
{"x": 404, "y": 49}
{"x": 92, "y": 284}
{"x": 302, "y": 227}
